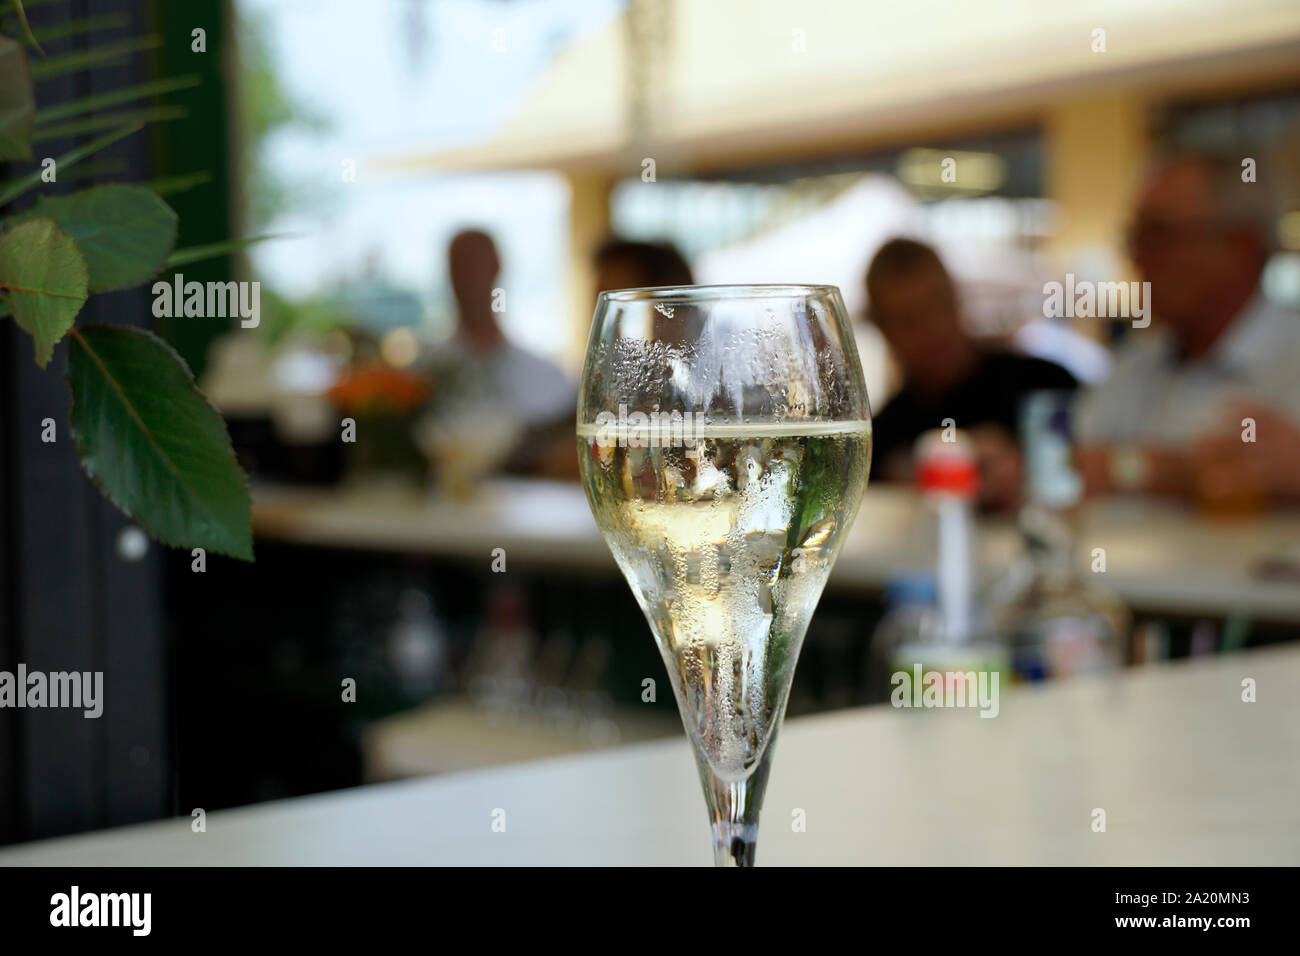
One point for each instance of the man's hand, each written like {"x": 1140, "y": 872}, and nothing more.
{"x": 1093, "y": 464}
{"x": 1269, "y": 465}
{"x": 1001, "y": 476}
{"x": 1164, "y": 470}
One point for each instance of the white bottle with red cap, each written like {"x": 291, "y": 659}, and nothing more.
{"x": 947, "y": 477}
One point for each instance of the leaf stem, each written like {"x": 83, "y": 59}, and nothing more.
{"x": 53, "y": 295}
{"x": 19, "y": 186}
{"x": 27, "y": 27}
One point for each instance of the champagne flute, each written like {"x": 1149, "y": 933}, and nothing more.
{"x": 724, "y": 440}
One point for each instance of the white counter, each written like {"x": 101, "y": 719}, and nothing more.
{"x": 1159, "y": 557}
{"x": 1185, "y": 771}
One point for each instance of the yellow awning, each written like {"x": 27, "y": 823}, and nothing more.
{"x": 745, "y": 80}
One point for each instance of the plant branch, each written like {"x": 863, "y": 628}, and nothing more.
{"x": 17, "y": 187}
{"x": 126, "y": 94}
{"x": 27, "y": 27}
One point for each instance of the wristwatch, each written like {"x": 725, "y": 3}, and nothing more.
{"x": 1129, "y": 468}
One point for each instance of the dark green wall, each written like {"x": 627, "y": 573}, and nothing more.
{"x": 197, "y": 143}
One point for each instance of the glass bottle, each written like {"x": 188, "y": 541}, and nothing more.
{"x": 1055, "y": 619}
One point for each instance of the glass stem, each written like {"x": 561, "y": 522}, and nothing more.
{"x": 733, "y": 810}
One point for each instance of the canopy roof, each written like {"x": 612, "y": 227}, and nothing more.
{"x": 741, "y": 83}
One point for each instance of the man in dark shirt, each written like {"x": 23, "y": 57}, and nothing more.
{"x": 946, "y": 373}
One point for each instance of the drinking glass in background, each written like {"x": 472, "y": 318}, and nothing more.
{"x": 724, "y": 441}
{"x": 465, "y": 444}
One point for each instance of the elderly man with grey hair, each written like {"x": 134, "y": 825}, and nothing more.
{"x": 1210, "y": 393}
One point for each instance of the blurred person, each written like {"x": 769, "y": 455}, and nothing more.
{"x": 1170, "y": 417}
{"x": 536, "y": 389}
{"x": 625, "y": 264}
{"x": 532, "y": 392}
{"x": 946, "y": 373}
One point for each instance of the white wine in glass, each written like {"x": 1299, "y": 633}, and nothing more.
{"x": 724, "y": 440}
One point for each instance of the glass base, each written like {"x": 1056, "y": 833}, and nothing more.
{"x": 733, "y": 810}
{"x": 734, "y": 844}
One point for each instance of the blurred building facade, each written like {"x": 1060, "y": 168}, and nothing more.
{"x": 719, "y": 125}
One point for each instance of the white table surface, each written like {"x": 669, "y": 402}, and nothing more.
{"x": 1186, "y": 772}
{"x": 1159, "y": 557}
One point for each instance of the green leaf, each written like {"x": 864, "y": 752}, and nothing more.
{"x": 77, "y": 26}
{"x": 17, "y": 105}
{"x": 125, "y": 232}
{"x": 89, "y": 124}
{"x": 167, "y": 185}
{"x": 99, "y": 170}
{"x": 14, "y": 188}
{"x": 27, "y": 27}
{"x": 105, "y": 55}
{"x": 43, "y": 276}
{"x": 124, "y": 94}
{"x": 183, "y": 257}
{"x": 151, "y": 442}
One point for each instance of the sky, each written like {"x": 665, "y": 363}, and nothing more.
{"x": 387, "y": 80}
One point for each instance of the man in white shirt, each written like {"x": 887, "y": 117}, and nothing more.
{"x": 1218, "y": 368}
{"x": 535, "y": 389}
{"x": 503, "y": 393}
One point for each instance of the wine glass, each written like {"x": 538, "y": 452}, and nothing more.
{"x": 724, "y": 440}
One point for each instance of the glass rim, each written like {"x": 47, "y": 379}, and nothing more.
{"x": 705, "y": 292}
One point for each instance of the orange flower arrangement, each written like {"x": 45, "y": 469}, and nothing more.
{"x": 378, "y": 388}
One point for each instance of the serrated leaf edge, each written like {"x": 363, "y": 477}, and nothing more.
{"x": 154, "y": 270}
{"x": 81, "y": 258}
{"x": 95, "y": 478}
